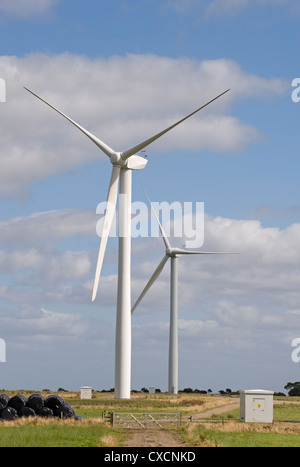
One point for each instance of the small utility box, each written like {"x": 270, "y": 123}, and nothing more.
{"x": 86, "y": 392}
{"x": 256, "y": 405}
{"x": 151, "y": 389}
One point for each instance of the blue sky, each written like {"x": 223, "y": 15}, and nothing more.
{"x": 126, "y": 70}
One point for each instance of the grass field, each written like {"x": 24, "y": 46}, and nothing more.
{"x": 93, "y": 431}
{"x": 238, "y": 435}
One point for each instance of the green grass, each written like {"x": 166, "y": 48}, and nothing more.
{"x": 93, "y": 432}
{"x": 56, "y": 435}
{"x": 287, "y": 412}
{"x": 247, "y": 438}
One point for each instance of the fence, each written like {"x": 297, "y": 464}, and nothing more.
{"x": 146, "y": 420}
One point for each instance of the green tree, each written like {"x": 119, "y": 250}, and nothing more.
{"x": 293, "y": 389}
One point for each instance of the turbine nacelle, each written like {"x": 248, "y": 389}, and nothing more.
{"x": 136, "y": 162}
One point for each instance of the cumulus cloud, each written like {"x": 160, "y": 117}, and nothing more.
{"x": 26, "y": 8}
{"x": 49, "y": 226}
{"x": 123, "y": 100}
{"x": 233, "y": 7}
{"x": 226, "y": 8}
{"x": 180, "y": 6}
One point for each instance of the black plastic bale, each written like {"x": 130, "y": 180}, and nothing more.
{"x": 17, "y": 402}
{"x": 36, "y": 402}
{"x": 60, "y": 407}
{"x": 65, "y": 412}
{"x": 8, "y": 414}
{"x": 4, "y": 399}
{"x": 54, "y": 402}
{"x": 26, "y": 412}
{"x": 46, "y": 412}
{"x": 2, "y": 406}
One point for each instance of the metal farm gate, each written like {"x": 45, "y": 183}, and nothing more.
{"x": 146, "y": 420}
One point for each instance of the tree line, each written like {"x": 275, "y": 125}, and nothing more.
{"x": 293, "y": 389}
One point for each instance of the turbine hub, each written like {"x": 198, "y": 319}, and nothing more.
{"x": 171, "y": 252}
{"x": 116, "y": 159}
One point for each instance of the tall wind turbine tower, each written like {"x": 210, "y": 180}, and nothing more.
{"x": 122, "y": 165}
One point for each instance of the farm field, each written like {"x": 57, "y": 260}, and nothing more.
{"x": 220, "y": 428}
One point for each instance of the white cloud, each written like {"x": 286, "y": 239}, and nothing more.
{"x": 21, "y": 260}
{"x": 226, "y": 8}
{"x": 233, "y": 7}
{"x": 26, "y": 8}
{"x": 49, "y": 226}
{"x": 180, "y": 6}
{"x": 123, "y": 100}
{"x": 36, "y": 255}
{"x": 45, "y": 273}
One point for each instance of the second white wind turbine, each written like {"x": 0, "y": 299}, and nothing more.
{"x": 173, "y": 254}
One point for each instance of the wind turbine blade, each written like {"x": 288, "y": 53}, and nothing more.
{"x": 165, "y": 238}
{"x": 153, "y": 278}
{"x": 142, "y": 145}
{"x": 104, "y": 147}
{"x": 182, "y": 252}
{"x": 108, "y": 218}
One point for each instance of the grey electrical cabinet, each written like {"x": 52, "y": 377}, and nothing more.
{"x": 256, "y": 405}
{"x": 86, "y": 392}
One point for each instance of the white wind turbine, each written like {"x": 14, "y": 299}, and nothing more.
{"x": 173, "y": 254}
{"x": 123, "y": 163}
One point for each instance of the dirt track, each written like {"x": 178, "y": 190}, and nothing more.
{"x": 217, "y": 410}
{"x": 153, "y": 438}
